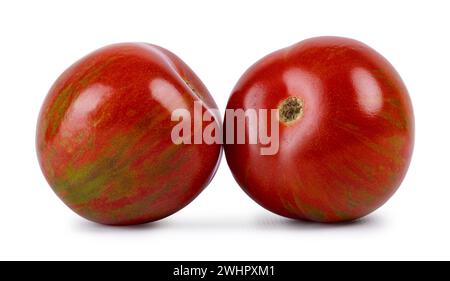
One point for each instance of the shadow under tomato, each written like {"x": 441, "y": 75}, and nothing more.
{"x": 89, "y": 226}
{"x": 263, "y": 222}
{"x": 277, "y": 222}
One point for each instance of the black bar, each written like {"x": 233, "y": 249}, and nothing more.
{"x": 227, "y": 270}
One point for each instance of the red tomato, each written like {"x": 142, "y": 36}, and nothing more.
{"x": 346, "y": 130}
{"x": 104, "y": 135}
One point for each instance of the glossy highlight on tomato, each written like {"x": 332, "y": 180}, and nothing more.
{"x": 104, "y": 135}
{"x": 346, "y": 130}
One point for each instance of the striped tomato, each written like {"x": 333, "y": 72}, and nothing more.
{"x": 344, "y": 126}
{"x": 104, "y": 135}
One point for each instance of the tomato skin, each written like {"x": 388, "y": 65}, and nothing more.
{"x": 350, "y": 150}
{"x": 104, "y": 135}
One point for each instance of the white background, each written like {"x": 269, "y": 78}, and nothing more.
{"x": 219, "y": 40}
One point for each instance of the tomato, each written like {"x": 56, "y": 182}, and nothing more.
{"x": 345, "y": 129}
{"x": 104, "y": 135}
